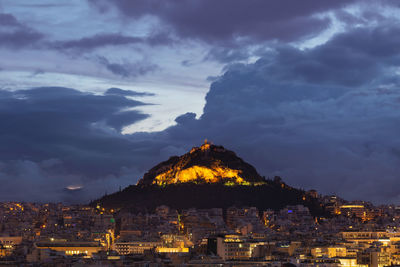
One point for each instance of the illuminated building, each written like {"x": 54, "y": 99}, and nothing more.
{"x": 358, "y": 210}
{"x": 10, "y": 241}
{"x": 172, "y": 250}
{"x": 348, "y": 262}
{"x": 136, "y": 247}
{"x": 373, "y": 258}
{"x": 71, "y": 248}
{"x": 268, "y": 216}
{"x": 329, "y": 252}
{"x": 320, "y": 263}
{"x": 3, "y": 251}
{"x": 368, "y": 237}
{"x": 234, "y": 247}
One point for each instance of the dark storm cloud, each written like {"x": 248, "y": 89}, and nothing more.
{"x": 52, "y": 138}
{"x": 325, "y": 118}
{"x": 347, "y": 60}
{"x": 186, "y": 118}
{"x": 126, "y": 70}
{"x": 19, "y": 39}
{"x": 98, "y": 40}
{"x": 79, "y": 130}
{"x": 111, "y": 39}
{"x": 46, "y": 114}
{"x": 223, "y": 21}
{"x": 120, "y": 119}
{"x": 123, "y": 70}
{"x": 227, "y": 55}
{"x": 40, "y": 5}
{"x": 8, "y": 20}
{"x": 48, "y": 181}
{"x": 15, "y": 35}
{"x": 121, "y": 92}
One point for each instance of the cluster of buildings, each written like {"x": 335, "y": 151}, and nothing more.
{"x": 349, "y": 234}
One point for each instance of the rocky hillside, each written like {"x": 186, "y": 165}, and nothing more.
{"x": 208, "y": 176}
{"x": 205, "y": 164}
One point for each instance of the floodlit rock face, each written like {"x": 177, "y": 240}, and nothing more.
{"x": 205, "y": 164}
{"x": 207, "y": 177}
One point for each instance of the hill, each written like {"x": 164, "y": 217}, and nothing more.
{"x": 208, "y": 176}
{"x": 205, "y": 164}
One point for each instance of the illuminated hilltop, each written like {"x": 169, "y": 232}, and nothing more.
{"x": 203, "y": 165}
{"x": 208, "y": 176}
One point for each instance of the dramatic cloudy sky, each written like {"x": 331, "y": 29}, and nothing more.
{"x": 93, "y": 93}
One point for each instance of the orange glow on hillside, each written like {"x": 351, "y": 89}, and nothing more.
{"x": 214, "y": 174}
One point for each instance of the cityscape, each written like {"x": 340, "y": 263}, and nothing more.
{"x": 184, "y": 133}
{"x": 323, "y": 230}
{"x": 354, "y": 233}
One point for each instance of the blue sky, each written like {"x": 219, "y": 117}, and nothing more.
{"x": 305, "y": 90}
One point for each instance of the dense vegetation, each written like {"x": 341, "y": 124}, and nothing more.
{"x": 272, "y": 195}
{"x": 208, "y": 176}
